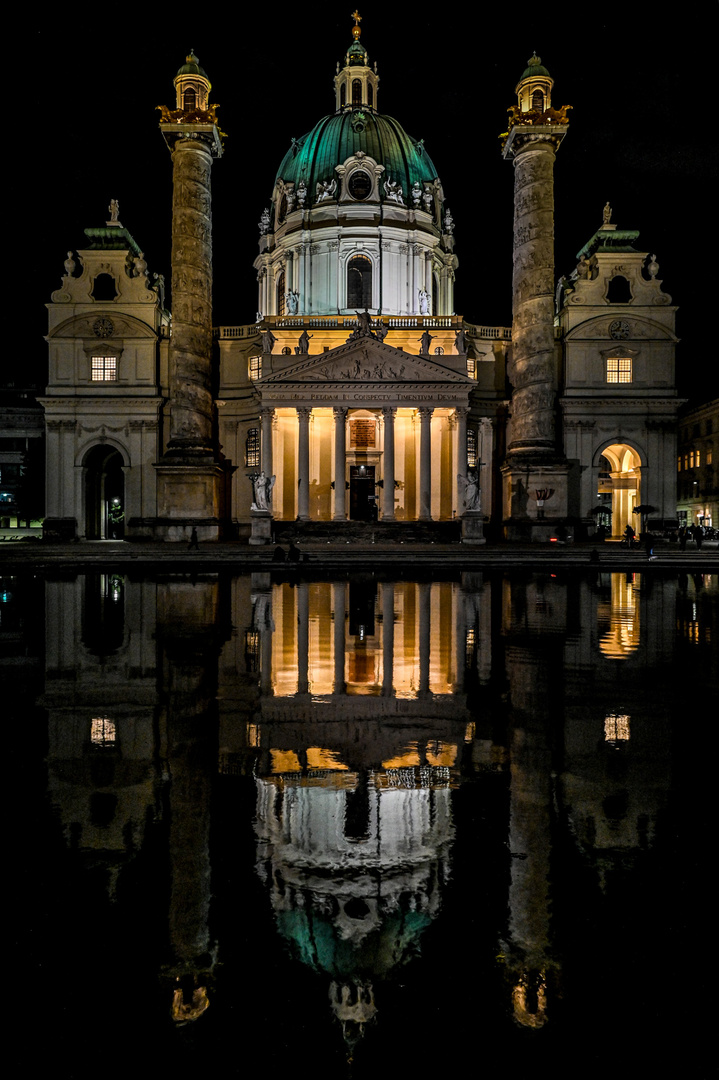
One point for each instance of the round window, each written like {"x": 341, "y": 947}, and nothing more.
{"x": 360, "y": 185}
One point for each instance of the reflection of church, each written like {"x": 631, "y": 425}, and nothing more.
{"x": 355, "y": 730}
{"x": 358, "y": 388}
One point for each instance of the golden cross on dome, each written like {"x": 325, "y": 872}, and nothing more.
{"x": 357, "y": 17}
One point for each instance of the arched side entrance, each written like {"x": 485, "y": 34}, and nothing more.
{"x": 104, "y": 494}
{"x": 620, "y": 485}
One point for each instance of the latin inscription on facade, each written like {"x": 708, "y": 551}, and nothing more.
{"x": 363, "y": 434}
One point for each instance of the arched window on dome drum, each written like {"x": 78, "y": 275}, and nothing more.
{"x": 343, "y": 96}
{"x": 359, "y": 282}
{"x": 538, "y": 101}
{"x": 281, "y": 293}
{"x": 356, "y": 91}
{"x": 189, "y": 100}
{"x": 370, "y": 96}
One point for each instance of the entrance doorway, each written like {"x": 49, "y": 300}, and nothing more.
{"x": 104, "y": 494}
{"x": 363, "y": 500}
{"x": 620, "y": 474}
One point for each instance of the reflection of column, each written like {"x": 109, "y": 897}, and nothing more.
{"x": 267, "y": 416}
{"x": 388, "y": 415}
{"x": 425, "y": 592}
{"x": 303, "y": 636}
{"x": 461, "y": 640}
{"x": 303, "y": 464}
{"x": 338, "y": 604}
{"x": 340, "y": 513}
{"x": 425, "y": 464}
{"x": 387, "y": 638}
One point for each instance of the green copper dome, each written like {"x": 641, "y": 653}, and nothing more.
{"x": 192, "y": 66}
{"x": 336, "y": 138}
{"x": 534, "y": 67}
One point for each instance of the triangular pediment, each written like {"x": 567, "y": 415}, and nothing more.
{"x": 367, "y": 361}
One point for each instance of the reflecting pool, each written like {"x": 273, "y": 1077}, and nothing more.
{"x": 360, "y": 823}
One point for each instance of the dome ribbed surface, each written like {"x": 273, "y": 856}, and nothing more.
{"x": 336, "y": 138}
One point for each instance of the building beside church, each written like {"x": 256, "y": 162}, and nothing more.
{"x": 358, "y": 394}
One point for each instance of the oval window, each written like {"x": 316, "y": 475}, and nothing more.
{"x": 360, "y": 185}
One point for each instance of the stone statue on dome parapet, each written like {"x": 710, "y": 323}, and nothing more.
{"x": 326, "y": 189}
{"x": 393, "y": 192}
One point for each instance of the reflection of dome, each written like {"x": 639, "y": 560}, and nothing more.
{"x": 336, "y": 138}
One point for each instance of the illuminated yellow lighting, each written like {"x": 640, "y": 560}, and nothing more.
{"x": 623, "y": 636}
{"x": 253, "y": 734}
{"x": 102, "y": 731}
{"x": 469, "y": 733}
{"x": 616, "y": 727}
{"x": 408, "y": 760}
{"x": 320, "y": 758}
{"x": 284, "y": 761}
{"x": 440, "y": 753}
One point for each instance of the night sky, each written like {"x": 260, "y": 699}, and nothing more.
{"x": 641, "y": 136}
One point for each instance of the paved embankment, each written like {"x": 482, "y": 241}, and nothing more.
{"x": 35, "y": 556}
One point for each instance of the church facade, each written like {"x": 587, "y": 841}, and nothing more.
{"x": 358, "y": 394}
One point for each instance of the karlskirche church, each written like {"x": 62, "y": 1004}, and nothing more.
{"x": 358, "y": 395}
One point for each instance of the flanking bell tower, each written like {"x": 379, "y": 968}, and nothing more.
{"x": 535, "y": 497}
{"x": 189, "y": 477}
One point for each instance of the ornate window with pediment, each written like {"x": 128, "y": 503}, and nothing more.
{"x": 619, "y": 369}
{"x": 103, "y": 369}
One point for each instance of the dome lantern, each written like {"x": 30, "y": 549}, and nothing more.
{"x": 534, "y": 89}
{"x": 192, "y": 85}
{"x": 356, "y": 83}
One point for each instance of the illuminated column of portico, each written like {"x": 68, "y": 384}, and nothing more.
{"x": 338, "y": 606}
{"x": 460, "y": 414}
{"x": 485, "y": 461}
{"x": 303, "y": 636}
{"x": 424, "y": 590}
{"x": 388, "y": 416}
{"x": 303, "y": 463}
{"x": 267, "y": 416}
{"x": 425, "y": 464}
{"x": 387, "y": 638}
{"x": 340, "y": 415}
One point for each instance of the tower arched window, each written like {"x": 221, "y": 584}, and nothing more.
{"x": 356, "y": 91}
{"x": 189, "y": 100}
{"x": 281, "y": 293}
{"x": 619, "y": 290}
{"x": 538, "y": 101}
{"x": 343, "y": 95}
{"x": 370, "y": 96}
{"x": 359, "y": 282}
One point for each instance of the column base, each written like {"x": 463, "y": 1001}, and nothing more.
{"x": 188, "y": 497}
{"x": 535, "y": 499}
{"x": 59, "y": 530}
{"x": 473, "y": 527}
{"x": 262, "y": 522}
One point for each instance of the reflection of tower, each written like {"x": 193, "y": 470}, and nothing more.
{"x": 534, "y": 462}
{"x": 189, "y": 626}
{"x": 188, "y": 480}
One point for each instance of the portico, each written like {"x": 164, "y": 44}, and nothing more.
{"x": 365, "y": 432}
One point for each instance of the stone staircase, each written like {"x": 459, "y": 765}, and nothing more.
{"x": 368, "y": 532}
